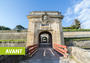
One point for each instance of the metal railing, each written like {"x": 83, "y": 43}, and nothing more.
{"x": 61, "y": 49}
{"x": 31, "y": 49}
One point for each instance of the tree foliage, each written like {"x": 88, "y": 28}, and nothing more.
{"x": 75, "y": 26}
{"x": 4, "y": 28}
{"x": 19, "y": 28}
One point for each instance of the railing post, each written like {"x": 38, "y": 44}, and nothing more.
{"x": 66, "y": 54}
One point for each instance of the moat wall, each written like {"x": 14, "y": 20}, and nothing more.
{"x": 12, "y": 34}
{"x": 6, "y": 35}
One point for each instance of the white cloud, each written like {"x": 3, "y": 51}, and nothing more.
{"x": 80, "y": 11}
{"x": 84, "y": 4}
{"x": 69, "y": 11}
{"x": 67, "y": 17}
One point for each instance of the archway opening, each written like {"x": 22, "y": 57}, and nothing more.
{"x": 45, "y": 39}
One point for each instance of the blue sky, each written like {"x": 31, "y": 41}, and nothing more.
{"x": 14, "y": 12}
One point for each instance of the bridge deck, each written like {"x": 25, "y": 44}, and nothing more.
{"x": 45, "y": 55}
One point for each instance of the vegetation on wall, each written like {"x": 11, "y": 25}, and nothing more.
{"x": 19, "y": 40}
{"x": 72, "y": 30}
{"x": 76, "y": 39}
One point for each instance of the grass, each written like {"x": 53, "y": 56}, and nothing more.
{"x": 85, "y": 47}
{"x": 76, "y": 39}
{"x": 19, "y": 40}
{"x": 72, "y": 30}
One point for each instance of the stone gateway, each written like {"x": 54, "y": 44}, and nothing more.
{"x": 45, "y": 28}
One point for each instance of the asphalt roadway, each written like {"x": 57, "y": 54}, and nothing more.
{"x": 45, "y": 55}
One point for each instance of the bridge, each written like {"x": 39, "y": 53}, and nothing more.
{"x": 46, "y": 54}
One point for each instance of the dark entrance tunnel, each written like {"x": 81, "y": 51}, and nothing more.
{"x": 45, "y": 39}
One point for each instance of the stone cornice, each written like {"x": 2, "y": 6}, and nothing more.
{"x": 40, "y": 16}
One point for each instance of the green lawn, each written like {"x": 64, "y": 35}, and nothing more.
{"x": 19, "y": 40}
{"x": 76, "y": 30}
{"x": 76, "y": 39}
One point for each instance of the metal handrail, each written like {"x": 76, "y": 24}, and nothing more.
{"x": 61, "y": 49}
{"x": 32, "y": 49}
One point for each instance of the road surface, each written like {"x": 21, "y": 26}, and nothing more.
{"x": 45, "y": 55}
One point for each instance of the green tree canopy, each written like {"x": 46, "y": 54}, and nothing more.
{"x": 77, "y": 25}
{"x": 4, "y": 28}
{"x": 19, "y": 28}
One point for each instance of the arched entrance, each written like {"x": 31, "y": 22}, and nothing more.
{"x": 45, "y": 28}
{"x": 45, "y": 39}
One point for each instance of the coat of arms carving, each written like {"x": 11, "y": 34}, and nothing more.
{"x": 45, "y": 19}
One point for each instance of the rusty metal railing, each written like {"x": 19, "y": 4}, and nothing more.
{"x": 32, "y": 49}
{"x": 61, "y": 49}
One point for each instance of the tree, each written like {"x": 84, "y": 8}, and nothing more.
{"x": 77, "y": 23}
{"x": 19, "y": 27}
{"x": 75, "y": 26}
{"x": 4, "y": 28}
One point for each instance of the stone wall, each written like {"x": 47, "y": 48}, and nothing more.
{"x": 11, "y": 34}
{"x": 82, "y": 44}
{"x": 78, "y": 43}
{"x": 77, "y": 34}
{"x": 80, "y": 55}
{"x": 23, "y": 34}
{"x": 15, "y": 44}
{"x": 5, "y": 35}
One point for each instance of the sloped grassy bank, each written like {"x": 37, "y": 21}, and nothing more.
{"x": 19, "y": 40}
{"x": 73, "y": 30}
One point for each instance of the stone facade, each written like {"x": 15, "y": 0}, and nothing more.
{"x": 45, "y": 22}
